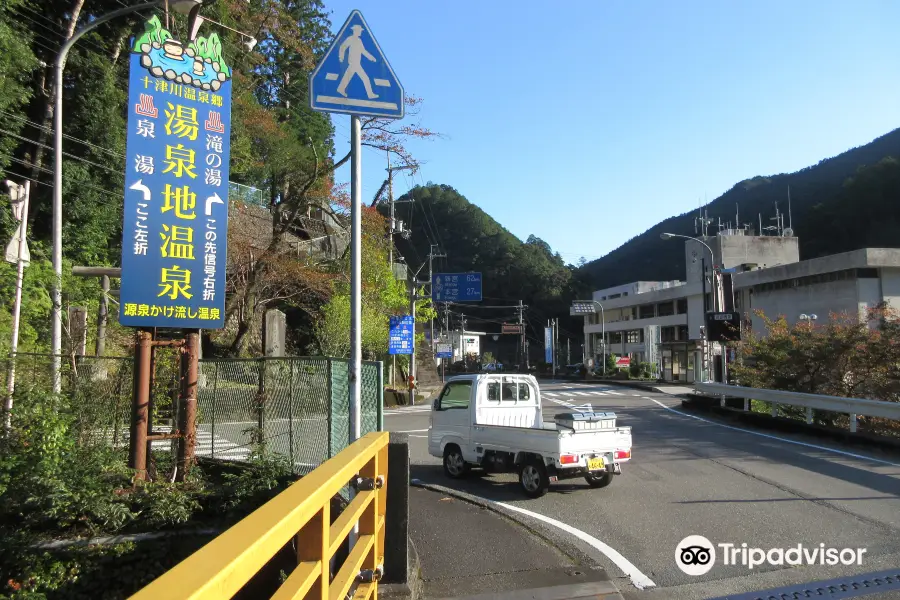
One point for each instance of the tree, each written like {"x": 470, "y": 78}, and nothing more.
{"x": 843, "y": 357}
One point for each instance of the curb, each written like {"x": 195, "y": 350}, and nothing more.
{"x": 413, "y": 588}
{"x": 578, "y": 555}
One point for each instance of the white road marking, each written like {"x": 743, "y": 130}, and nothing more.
{"x": 638, "y": 579}
{"x": 411, "y": 431}
{"x": 425, "y": 437}
{"x": 775, "y": 437}
{"x": 581, "y": 393}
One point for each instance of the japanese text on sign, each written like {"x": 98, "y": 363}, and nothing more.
{"x": 173, "y": 268}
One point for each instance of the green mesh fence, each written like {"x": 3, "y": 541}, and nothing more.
{"x": 295, "y": 407}
{"x": 98, "y": 390}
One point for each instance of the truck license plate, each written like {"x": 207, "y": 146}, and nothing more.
{"x": 595, "y": 464}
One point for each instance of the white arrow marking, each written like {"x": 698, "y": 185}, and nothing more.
{"x": 214, "y": 199}
{"x": 141, "y": 188}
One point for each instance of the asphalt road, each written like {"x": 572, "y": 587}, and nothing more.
{"x": 691, "y": 476}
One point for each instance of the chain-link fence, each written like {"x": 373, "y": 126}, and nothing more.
{"x": 99, "y": 389}
{"x": 293, "y": 406}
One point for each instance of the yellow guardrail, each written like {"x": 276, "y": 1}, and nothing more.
{"x": 302, "y": 512}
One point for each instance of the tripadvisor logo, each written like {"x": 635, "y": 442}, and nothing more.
{"x": 696, "y": 555}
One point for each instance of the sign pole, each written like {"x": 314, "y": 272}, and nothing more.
{"x": 355, "y": 274}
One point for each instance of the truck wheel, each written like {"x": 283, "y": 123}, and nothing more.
{"x": 534, "y": 479}
{"x": 599, "y": 481}
{"x": 455, "y": 465}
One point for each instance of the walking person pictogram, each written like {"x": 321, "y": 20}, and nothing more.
{"x": 355, "y": 49}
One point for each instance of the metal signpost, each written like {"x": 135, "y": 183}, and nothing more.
{"x": 355, "y": 78}
{"x": 175, "y": 222}
{"x": 456, "y": 287}
{"x": 401, "y": 335}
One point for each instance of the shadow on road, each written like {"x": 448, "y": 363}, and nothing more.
{"x": 499, "y": 487}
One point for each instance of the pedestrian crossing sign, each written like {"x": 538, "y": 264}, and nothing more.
{"x": 354, "y": 77}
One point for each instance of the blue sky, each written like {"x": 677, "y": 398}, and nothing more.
{"x": 586, "y": 122}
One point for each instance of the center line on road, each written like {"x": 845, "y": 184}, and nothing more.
{"x": 638, "y": 579}
{"x": 775, "y": 437}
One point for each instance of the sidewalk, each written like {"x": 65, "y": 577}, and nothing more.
{"x": 470, "y": 552}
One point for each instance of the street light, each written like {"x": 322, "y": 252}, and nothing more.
{"x": 715, "y": 282}
{"x": 810, "y": 317}
{"x": 586, "y": 307}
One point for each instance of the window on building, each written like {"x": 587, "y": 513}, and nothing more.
{"x": 667, "y": 334}
{"x": 634, "y": 336}
{"x": 682, "y": 306}
{"x": 682, "y": 333}
{"x": 665, "y": 309}
{"x": 647, "y": 311}
{"x": 634, "y": 312}
{"x": 615, "y": 337}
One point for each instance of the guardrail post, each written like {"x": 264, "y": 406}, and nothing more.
{"x": 312, "y": 544}
{"x": 809, "y": 415}
{"x": 396, "y": 535}
{"x": 746, "y": 404}
{"x": 853, "y": 423}
{"x": 774, "y": 409}
{"x": 722, "y": 401}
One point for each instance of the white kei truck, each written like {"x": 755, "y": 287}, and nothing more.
{"x": 496, "y": 422}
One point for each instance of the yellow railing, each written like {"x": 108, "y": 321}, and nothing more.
{"x": 222, "y": 567}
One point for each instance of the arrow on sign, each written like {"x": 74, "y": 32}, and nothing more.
{"x": 214, "y": 199}
{"x": 141, "y": 188}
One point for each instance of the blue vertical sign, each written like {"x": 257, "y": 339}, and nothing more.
{"x": 401, "y": 335}
{"x": 548, "y": 344}
{"x": 176, "y": 183}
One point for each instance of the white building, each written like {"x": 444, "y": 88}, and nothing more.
{"x": 662, "y": 322}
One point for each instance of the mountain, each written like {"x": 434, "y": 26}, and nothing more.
{"x": 842, "y": 203}
{"x": 511, "y": 269}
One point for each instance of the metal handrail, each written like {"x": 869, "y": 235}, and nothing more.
{"x": 851, "y": 406}
{"x": 302, "y": 512}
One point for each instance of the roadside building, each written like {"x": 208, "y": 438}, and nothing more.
{"x": 662, "y": 322}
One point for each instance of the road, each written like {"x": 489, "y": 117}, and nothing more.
{"x": 697, "y": 476}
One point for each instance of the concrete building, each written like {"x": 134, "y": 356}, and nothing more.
{"x": 663, "y": 322}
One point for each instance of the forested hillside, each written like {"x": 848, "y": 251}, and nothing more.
{"x": 512, "y": 270}
{"x": 842, "y": 203}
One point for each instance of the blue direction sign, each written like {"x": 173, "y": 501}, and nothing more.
{"x": 355, "y": 77}
{"x": 456, "y": 287}
{"x": 444, "y": 351}
{"x": 400, "y": 339}
{"x": 548, "y": 344}
{"x": 175, "y": 224}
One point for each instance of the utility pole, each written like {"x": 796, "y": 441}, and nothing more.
{"x": 522, "y": 346}
{"x": 568, "y": 352}
{"x": 393, "y": 229}
{"x": 431, "y": 257}
{"x": 412, "y": 311}
{"x": 393, "y": 225}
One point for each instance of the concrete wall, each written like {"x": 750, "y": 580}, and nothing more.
{"x": 819, "y": 299}
{"x": 764, "y": 251}
{"x": 890, "y": 286}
